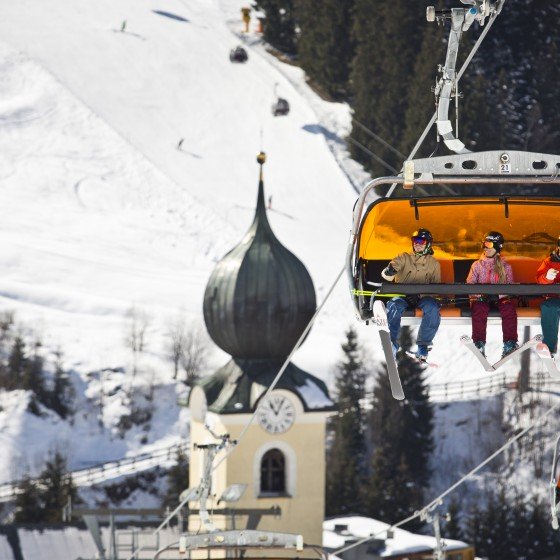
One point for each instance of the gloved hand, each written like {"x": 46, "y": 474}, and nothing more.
{"x": 389, "y": 273}
{"x": 551, "y": 274}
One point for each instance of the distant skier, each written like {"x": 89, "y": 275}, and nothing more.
{"x": 123, "y": 26}
{"x": 246, "y": 17}
{"x": 549, "y": 273}
{"x": 180, "y": 144}
{"x": 417, "y": 267}
{"x": 491, "y": 268}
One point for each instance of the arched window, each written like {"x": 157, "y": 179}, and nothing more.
{"x": 273, "y": 472}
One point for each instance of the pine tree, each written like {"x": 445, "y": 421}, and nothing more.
{"x": 56, "y": 488}
{"x": 16, "y": 364}
{"x": 387, "y": 41}
{"x": 541, "y": 540}
{"x": 345, "y": 459}
{"x": 279, "y": 25}
{"x": 512, "y": 528}
{"x": 390, "y": 499}
{"x": 42, "y": 501}
{"x": 452, "y": 527}
{"x": 418, "y": 414}
{"x": 325, "y": 43}
{"x": 402, "y": 436}
{"x": 62, "y": 394}
{"x": 28, "y": 504}
{"x": 177, "y": 480}
{"x": 419, "y": 95}
{"x": 32, "y": 377}
{"x": 473, "y": 526}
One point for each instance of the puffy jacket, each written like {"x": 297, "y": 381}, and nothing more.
{"x": 546, "y": 265}
{"x": 416, "y": 269}
{"x": 482, "y": 272}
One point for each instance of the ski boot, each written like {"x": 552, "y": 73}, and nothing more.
{"x": 481, "y": 345}
{"x": 509, "y": 347}
{"x": 422, "y": 353}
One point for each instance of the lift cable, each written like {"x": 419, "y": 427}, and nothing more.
{"x": 378, "y": 138}
{"x": 282, "y": 369}
{"x": 438, "y": 501}
{"x": 253, "y": 416}
{"x": 373, "y": 155}
{"x": 308, "y": 327}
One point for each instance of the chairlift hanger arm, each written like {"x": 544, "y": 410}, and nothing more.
{"x": 498, "y": 6}
{"x": 447, "y": 84}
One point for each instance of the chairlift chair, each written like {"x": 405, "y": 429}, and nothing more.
{"x": 530, "y": 222}
{"x": 443, "y": 195}
{"x": 239, "y": 54}
{"x": 281, "y": 107}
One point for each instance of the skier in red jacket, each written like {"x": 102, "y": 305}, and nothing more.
{"x": 549, "y": 273}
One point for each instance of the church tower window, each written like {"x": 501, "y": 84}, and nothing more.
{"x": 273, "y": 472}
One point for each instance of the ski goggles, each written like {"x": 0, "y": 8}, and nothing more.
{"x": 419, "y": 240}
{"x": 487, "y": 244}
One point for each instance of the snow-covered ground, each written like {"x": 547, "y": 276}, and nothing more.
{"x": 102, "y": 213}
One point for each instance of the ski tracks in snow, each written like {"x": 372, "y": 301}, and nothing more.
{"x": 333, "y": 119}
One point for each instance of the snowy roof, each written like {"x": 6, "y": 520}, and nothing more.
{"x": 358, "y": 527}
{"x": 237, "y": 386}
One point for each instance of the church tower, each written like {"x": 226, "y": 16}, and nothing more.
{"x": 257, "y": 303}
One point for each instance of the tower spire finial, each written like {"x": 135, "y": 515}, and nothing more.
{"x": 261, "y": 158}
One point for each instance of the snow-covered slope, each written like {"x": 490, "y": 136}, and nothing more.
{"x": 123, "y": 216}
{"x": 101, "y": 212}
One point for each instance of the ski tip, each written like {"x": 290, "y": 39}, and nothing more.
{"x": 398, "y": 396}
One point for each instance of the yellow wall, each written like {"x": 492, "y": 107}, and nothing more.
{"x": 304, "y": 447}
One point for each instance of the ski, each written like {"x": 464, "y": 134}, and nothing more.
{"x": 468, "y": 342}
{"x": 548, "y": 360}
{"x": 380, "y": 320}
{"x": 425, "y": 362}
{"x": 529, "y": 344}
{"x": 553, "y": 484}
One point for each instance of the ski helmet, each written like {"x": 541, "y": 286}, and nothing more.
{"x": 423, "y": 236}
{"x": 495, "y": 238}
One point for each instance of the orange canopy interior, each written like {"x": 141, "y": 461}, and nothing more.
{"x": 458, "y": 225}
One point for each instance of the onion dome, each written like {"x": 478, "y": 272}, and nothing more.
{"x": 260, "y": 297}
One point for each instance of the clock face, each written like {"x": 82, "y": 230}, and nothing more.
{"x": 277, "y": 414}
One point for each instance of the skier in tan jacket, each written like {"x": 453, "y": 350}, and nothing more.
{"x": 416, "y": 267}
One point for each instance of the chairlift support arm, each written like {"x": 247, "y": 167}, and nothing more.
{"x": 447, "y": 84}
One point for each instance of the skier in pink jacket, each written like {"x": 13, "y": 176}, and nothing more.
{"x": 492, "y": 269}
